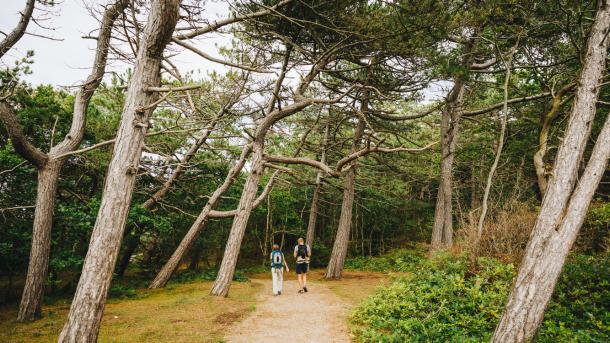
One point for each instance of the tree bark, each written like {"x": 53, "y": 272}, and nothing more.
{"x": 7, "y": 43}
{"x": 564, "y": 206}
{"x": 49, "y": 165}
{"x": 151, "y": 202}
{"x": 442, "y": 230}
{"x": 242, "y": 214}
{"x": 31, "y": 299}
{"x": 313, "y": 210}
{"x": 229, "y": 261}
{"x": 88, "y": 304}
{"x": 543, "y": 137}
{"x": 339, "y": 252}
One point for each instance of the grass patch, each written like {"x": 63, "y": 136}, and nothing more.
{"x": 182, "y": 313}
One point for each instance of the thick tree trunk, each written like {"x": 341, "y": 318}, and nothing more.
{"x": 442, "y": 230}
{"x": 49, "y": 166}
{"x": 31, "y": 299}
{"x": 222, "y": 284}
{"x": 339, "y": 252}
{"x": 563, "y": 207}
{"x": 88, "y": 304}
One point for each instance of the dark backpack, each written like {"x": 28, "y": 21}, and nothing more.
{"x": 302, "y": 251}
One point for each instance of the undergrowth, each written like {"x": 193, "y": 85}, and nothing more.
{"x": 442, "y": 300}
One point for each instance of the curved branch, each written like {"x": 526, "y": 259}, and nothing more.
{"x": 302, "y": 160}
{"x": 19, "y": 30}
{"x": 20, "y": 142}
{"x": 220, "y": 23}
{"x": 257, "y": 202}
{"x": 85, "y": 92}
{"x": 342, "y": 162}
{"x": 214, "y": 59}
{"x": 406, "y": 117}
{"x": 501, "y": 104}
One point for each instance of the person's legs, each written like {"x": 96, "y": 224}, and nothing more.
{"x": 304, "y": 286}
{"x": 275, "y": 280}
{"x": 280, "y": 280}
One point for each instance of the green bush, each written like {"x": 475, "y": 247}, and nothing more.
{"x": 580, "y": 308}
{"x": 439, "y": 300}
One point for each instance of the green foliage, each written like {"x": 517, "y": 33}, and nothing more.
{"x": 595, "y": 232}
{"x": 436, "y": 301}
{"x": 440, "y": 300}
{"x": 122, "y": 291}
{"x": 580, "y": 308}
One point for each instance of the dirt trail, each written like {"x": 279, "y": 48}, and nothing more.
{"x": 317, "y": 316}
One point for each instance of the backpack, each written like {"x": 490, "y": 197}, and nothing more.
{"x": 277, "y": 259}
{"x": 302, "y": 251}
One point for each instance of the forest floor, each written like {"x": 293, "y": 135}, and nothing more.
{"x": 184, "y": 312}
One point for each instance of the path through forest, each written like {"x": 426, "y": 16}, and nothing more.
{"x": 317, "y": 316}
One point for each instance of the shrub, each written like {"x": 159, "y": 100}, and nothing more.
{"x": 439, "y": 300}
{"x": 580, "y": 308}
{"x": 504, "y": 236}
{"x": 595, "y": 232}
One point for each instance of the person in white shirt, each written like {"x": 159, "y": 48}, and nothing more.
{"x": 302, "y": 253}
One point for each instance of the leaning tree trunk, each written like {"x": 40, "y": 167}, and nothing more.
{"x": 49, "y": 169}
{"x": 339, "y": 252}
{"x": 189, "y": 239}
{"x": 564, "y": 206}
{"x": 88, "y": 304}
{"x": 313, "y": 210}
{"x": 222, "y": 284}
{"x": 31, "y": 299}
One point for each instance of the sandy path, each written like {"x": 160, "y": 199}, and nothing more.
{"x": 317, "y": 316}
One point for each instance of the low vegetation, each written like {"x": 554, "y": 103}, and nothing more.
{"x": 442, "y": 299}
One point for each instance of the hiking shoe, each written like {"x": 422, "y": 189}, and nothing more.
{"x": 305, "y": 289}
{"x": 279, "y": 293}
{"x": 301, "y": 291}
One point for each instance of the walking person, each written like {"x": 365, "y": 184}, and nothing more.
{"x": 278, "y": 262}
{"x": 302, "y": 253}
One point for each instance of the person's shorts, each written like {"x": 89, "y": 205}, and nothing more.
{"x": 302, "y": 268}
